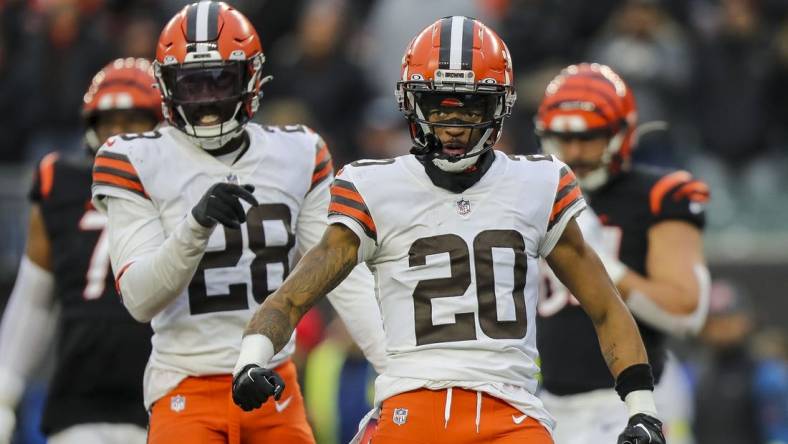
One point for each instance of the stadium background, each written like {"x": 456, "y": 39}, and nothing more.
{"x": 712, "y": 76}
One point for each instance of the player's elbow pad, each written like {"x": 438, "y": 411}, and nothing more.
{"x": 681, "y": 325}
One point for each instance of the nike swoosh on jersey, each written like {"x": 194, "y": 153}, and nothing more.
{"x": 519, "y": 419}
{"x": 281, "y": 406}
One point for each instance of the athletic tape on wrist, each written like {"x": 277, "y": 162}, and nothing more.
{"x": 641, "y": 401}
{"x": 255, "y": 349}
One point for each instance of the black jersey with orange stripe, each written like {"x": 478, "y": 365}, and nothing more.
{"x": 628, "y": 206}
{"x": 101, "y": 350}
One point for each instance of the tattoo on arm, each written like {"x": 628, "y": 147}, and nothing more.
{"x": 323, "y": 268}
{"x": 611, "y": 357}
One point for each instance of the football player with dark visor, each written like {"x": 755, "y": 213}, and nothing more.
{"x": 206, "y": 94}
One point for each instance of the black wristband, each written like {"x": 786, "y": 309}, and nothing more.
{"x": 634, "y": 377}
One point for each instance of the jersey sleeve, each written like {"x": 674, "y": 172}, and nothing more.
{"x": 114, "y": 175}
{"x": 347, "y": 207}
{"x": 679, "y": 196}
{"x": 324, "y": 166}
{"x": 43, "y": 179}
{"x": 567, "y": 203}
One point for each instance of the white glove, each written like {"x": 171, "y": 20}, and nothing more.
{"x": 7, "y": 423}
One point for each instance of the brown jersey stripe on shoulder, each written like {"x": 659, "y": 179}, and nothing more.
{"x": 563, "y": 205}
{"x": 572, "y": 187}
{"x": 120, "y": 165}
{"x": 116, "y": 172}
{"x": 321, "y": 175}
{"x": 350, "y": 203}
{"x": 363, "y": 218}
{"x": 347, "y": 201}
{"x": 112, "y": 180}
{"x": 46, "y": 173}
{"x": 341, "y": 183}
{"x": 324, "y": 164}
{"x": 566, "y": 176}
{"x": 111, "y": 155}
{"x": 663, "y": 185}
{"x": 567, "y": 182}
{"x": 347, "y": 194}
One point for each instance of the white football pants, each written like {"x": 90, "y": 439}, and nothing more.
{"x": 100, "y": 433}
{"x": 600, "y": 416}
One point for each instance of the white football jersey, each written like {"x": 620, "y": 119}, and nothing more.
{"x": 457, "y": 275}
{"x": 200, "y": 332}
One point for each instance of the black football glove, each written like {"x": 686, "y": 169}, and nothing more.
{"x": 221, "y": 204}
{"x": 642, "y": 429}
{"x": 254, "y": 384}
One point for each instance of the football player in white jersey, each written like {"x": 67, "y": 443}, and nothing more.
{"x": 453, "y": 234}
{"x": 205, "y": 219}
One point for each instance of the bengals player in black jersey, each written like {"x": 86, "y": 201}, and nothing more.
{"x": 95, "y": 394}
{"x": 648, "y": 234}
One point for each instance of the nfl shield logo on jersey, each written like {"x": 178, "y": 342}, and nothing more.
{"x": 178, "y": 403}
{"x": 400, "y": 416}
{"x": 463, "y": 207}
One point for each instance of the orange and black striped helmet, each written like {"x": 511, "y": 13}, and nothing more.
{"x": 124, "y": 84}
{"x": 590, "y": 99}
{"x": 454, "y": 60}
{"x": 209, "y": 67}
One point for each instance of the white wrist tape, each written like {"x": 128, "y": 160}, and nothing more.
{"x": 641, "y": 401}
{"x": 255, "y": 349}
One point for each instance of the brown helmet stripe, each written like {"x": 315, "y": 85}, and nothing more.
{"x": 202, "y": 21}
{"x": 456, "y": 50}
{"x": 213, "y": 22}
{"x": 443, "y": 60}
{"x": 191, "y": 23}
{"x": 466, "y": 60}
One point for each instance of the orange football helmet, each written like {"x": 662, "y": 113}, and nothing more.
{"x": 456, "y": 60}
{"x": 589, "y": 100}
{"x": 124, "y": 84}
{"x": 209, "y": 68}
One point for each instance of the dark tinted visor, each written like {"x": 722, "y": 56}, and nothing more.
{"x": 206, "y": 83}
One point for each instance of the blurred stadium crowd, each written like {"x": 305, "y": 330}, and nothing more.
{"x": 710, "y": 78}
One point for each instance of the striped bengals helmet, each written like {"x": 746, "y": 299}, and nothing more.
{"x": 209, "y": 68}
{"x": 124, "y": 84}
{"x": 462, "y": 58}
{"x": 590, "y": 99}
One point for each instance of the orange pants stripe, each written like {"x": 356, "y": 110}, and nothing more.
{"x": 201, "y": 411}
{"x": 419, "y": 417}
